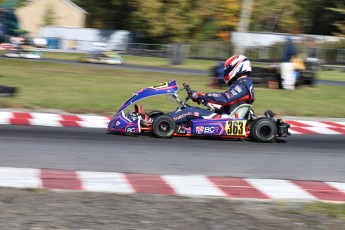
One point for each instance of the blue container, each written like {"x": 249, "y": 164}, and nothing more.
{"x": 53, "y": 43}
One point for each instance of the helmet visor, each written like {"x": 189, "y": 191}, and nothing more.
{"x": 227, "y": 70}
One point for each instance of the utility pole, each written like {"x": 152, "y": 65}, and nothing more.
{"x": 242, "y": 28}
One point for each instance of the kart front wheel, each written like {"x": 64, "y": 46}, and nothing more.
{"x": 163, "y": 126}
{"x": 263, "y": 130}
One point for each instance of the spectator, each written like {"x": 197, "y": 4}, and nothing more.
{"x": 287, "y": 67}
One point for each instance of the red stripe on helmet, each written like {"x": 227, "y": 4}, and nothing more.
{"x": 234, "y": 69}
{"x": 231, "y": 59}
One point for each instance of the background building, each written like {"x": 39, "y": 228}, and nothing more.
{"x": 37, "y": 14}
{"x": 82, "y": 39}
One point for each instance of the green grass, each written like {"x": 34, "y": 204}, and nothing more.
{"x": 321, "y": 101}
{"x": 335, "y": 75}
{"x": 140, "y": 60}
{"x": 77, "y": 88}
{"x": 165, "y": 62}
{"x": 62, "y": 56}
{"x": 82, "y": 89}
{"x": 334, "y": 210}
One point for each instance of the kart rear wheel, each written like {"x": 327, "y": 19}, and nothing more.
{"x": 163, "y": 126}
{"x": 263, "y": 130}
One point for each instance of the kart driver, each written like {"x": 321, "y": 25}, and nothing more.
{"x": 236, "y": 75}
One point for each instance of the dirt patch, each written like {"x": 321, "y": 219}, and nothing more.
{"x": 43, "y": 209}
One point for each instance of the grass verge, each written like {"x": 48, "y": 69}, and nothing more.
{"x": 333, "y": 210}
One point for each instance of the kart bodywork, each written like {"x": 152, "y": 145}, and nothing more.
{"x": 241, "y": 123}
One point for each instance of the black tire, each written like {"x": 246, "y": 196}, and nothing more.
{"x": 263, "y": 130}
{"x": 154, "y": 113}
{"x": 163, "y": 126}
{"x": 257, "y": 80}
{"x": 263, "y": 70}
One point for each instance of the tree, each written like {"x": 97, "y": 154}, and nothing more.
{"x": 340, "y": 24}
{"x": 107, "y": 14}
{"x": 11, "y": 23}
{"x": 296, "y": 16}
{"x": 166, "y": 21}
{"x": 315, "y": 17}
{"x": 227, "y": 13}
{"x": 171, "y": 21}
{"x": 275, "y": 16}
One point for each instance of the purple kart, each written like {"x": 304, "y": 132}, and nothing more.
{"x": 240, "y": 123}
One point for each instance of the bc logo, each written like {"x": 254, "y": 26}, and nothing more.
{"x": 131, "y": 130}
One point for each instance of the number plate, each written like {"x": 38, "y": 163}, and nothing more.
{"x": 162, "y": 85}
{"x": 236, "y": 128}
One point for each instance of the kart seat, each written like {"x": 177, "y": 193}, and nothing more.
{"x": 141, "y": 112}
{"x": 240, "y": 111}
{"x": 139, "y": 109}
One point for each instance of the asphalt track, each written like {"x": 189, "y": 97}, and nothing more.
{"x": 301, "y": 157}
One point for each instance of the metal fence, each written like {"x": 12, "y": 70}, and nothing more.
{"x": 221, "y": 52}
{"x": 198, "y": 50}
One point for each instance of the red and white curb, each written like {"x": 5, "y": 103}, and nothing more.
{"x": 189, "y": 185}
{"x": 54, "y": 120}
{"x": 94, "y": 121}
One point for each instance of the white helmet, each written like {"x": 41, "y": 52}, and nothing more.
{"x": 235, "y": 67}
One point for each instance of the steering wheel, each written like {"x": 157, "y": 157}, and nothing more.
{"x": 189, "y": 92}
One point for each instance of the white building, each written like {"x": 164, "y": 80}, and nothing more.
{"x": 267, "y": 39}
{"x": 83, "y": 38}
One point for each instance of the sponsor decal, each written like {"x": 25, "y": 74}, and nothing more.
{"x": 162, "y": 85}
{"x": 182, "y": 116}
{"x": 238, "y": 88}
{"x": 211, "y": 129}
{"x": 199, "y": 129}
{"x": 181, "y": 130}
{"x": 236, "y": 128}
{"x": 117, "y": 123}
{"x": 228, "y": 95}
{"x": 207, "y": 129}
{"x": 233, "y": 92}
{"x": 214, "y": 95}
{"x": 131, "y": 129}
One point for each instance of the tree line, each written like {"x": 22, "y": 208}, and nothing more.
{"x": 167, "y": 21}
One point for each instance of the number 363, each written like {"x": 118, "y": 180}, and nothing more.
{"x": 236, "y": 128}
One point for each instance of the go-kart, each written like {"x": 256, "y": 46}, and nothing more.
{"x": 111, "y": 58}
{"x": 23, "y": 52}
{"x": 240, "y": 123}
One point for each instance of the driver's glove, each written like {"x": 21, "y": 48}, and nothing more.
{"x": 196, "y": 96}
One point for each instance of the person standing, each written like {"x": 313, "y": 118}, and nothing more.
{"x": 287, "y": 67}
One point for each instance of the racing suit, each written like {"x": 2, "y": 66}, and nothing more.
{"x": 240, "y": 92}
